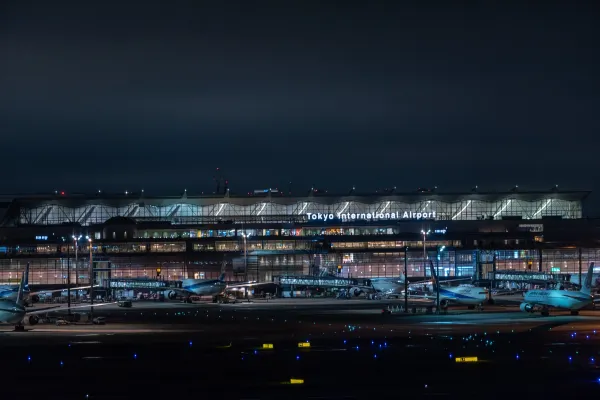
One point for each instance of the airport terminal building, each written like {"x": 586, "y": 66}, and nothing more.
{"x": 267, "y": 235}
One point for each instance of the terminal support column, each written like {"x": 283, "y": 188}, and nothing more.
{"x": 406, "y": 280}
{"x": 68, "y": 280}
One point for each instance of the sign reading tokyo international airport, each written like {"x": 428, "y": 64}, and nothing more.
{"x": 370, "y": 216}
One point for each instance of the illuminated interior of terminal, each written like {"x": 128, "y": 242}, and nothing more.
{"x": 353, "y": 265}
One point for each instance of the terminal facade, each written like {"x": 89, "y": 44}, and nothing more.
{"x": 269, "y": 235}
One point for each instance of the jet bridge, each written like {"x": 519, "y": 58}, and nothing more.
{"x": 521, "y": 280}
{"x": 315, "y": 281}
{"x": 521, "y": 276}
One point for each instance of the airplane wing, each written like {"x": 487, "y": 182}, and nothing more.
{"x": 59, "y": 290}
{"x": 61, "y": 308}
{"x": 422, "y": 296}
{"x": 441, "y": 282}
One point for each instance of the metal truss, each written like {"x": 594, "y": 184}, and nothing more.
{"x": 181, "y": 212}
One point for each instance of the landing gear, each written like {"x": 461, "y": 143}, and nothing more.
{"x": 19, "y": 328}
{"x": 574, "y": 312}
{"x": 480, "y": 307}
{"x": 545, "y": 312}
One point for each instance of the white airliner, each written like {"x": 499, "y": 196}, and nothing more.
{"x": 14, "y": 312}
{"x": 205, "y": 287}
{"x": 461, "y": 295}
{"x": 198, "y": 287}
{"x": 543, "y": 300}
{"x": 387, "y": 286}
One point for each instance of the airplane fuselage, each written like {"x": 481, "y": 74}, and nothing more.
{"x": 10, "y": 293}
{"x": 464, "y": 295}
{"x": 11, "y": 312}
{"x": 565, "y": 299}
{"x": 204, "y": 287}
{"x": 388, "y": 285}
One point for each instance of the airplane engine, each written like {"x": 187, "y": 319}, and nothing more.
{"x": 34, "y": 298}
{"x": 443, "y": 304}
{"x": 355, "y": 291}
{"x": 526, "y": 307}
{"x": 30, "y": 320}
{"x": 170, "y": 294}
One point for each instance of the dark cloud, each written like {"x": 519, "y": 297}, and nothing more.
{"x": 159, "y": 94}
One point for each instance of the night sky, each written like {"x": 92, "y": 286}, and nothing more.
{"x": 124, "y": 95}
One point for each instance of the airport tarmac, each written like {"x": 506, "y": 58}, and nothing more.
{"x": 299, "y": 318}
{"x": 353, "y": 346}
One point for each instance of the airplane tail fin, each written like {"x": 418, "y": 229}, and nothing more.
{"x": 586, "y": 287}
{"x": 223, "y": 265}
{"x": 432, "y": 268}
{"x": 433, "y": 273}
{"x": 27, "y": 276}
{"x": 21, "y": 292}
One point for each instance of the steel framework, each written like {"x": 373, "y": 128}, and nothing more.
{"x": 286, "y": 210}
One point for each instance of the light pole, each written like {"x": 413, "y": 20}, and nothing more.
{"x": 76, "y": 245}
{"x": 68, "y": 279}
{"x": 437, "y": 283}
{"x": 91, "y": 277}
{"x": 245, "y": 237}
{"x": 425, "y": 251}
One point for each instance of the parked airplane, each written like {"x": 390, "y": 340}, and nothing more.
{"x": 543, "y": 300}
{"x": 205, "y": 287}
{"x": 471, "y": 296}
{"x": 14, "y": 312}
{"x": 199, "y": 287}
{"x": 387, "y": 286}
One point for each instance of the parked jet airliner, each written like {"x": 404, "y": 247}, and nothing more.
{"x": 543, "y": 300}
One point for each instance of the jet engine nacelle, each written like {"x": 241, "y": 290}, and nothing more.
{"x": 34, "y": 298}
{"x": 444, "y": 304}
{"x": 355, "y": 291}
{"x": 170, "y": 294}
{"x": 30, "y": 320}
{"x": 526, "y": 307}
